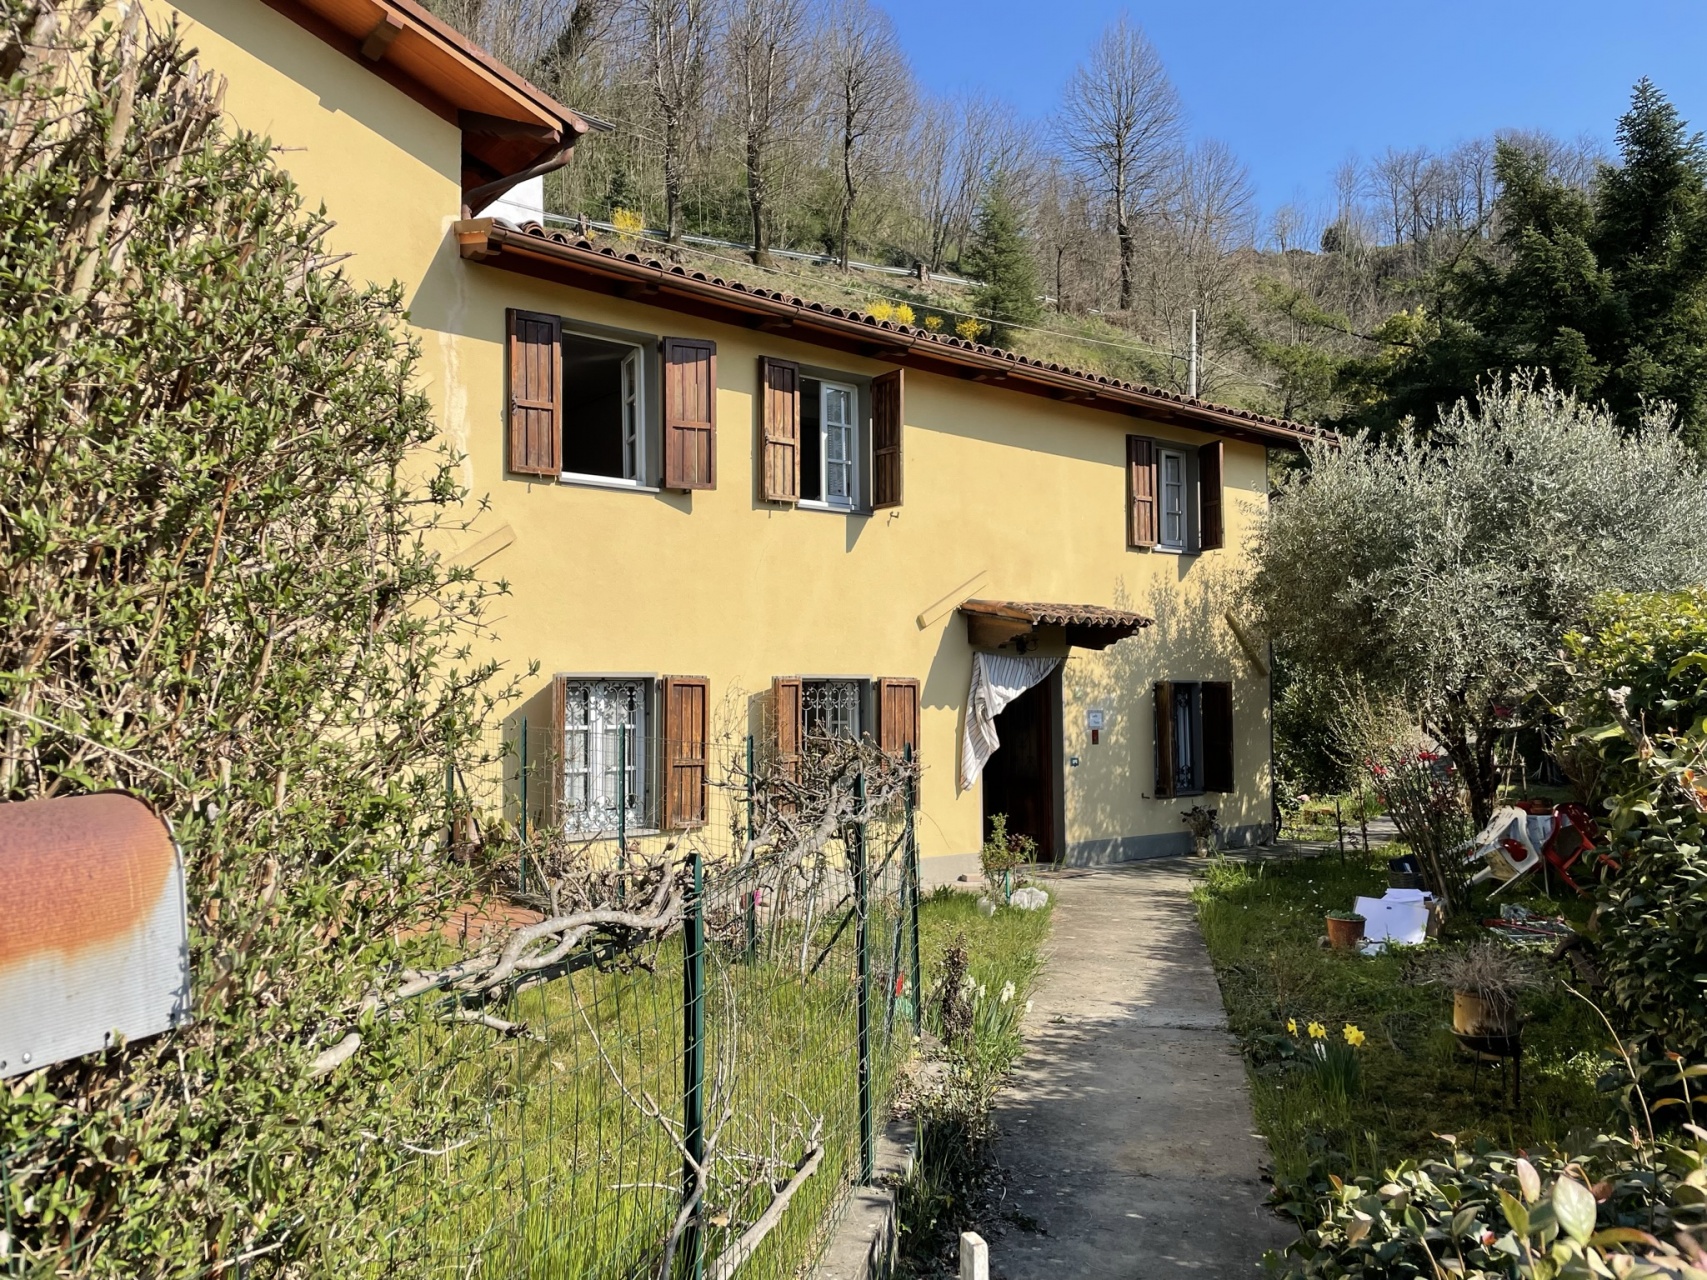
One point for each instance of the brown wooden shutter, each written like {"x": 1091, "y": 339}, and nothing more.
{"x": 779, "y": 425}
{"x": 690, "y": 413}
{"x": 536, "y": 393}
{"x": 546, "y": 765}
{"x": 1217, "y": 735}
{"x": 687, "y": 717}
{"x": 1140, "y": 492}
{"x": 886, "y": 410}
{"x": 789, "y": 703}
{"x": 1211, "y": 534}
{"x": 1164, "y": 740}
{"x": 898, "y": 715}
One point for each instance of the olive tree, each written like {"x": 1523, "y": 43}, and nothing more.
{"x": 1444, "y": 575}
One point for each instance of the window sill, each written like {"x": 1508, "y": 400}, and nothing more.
{"x": 1174, "y": 551}
{"x": 815, "y": 504}
{"x": 610, "y": 833}
{"x": 606, "y": 482}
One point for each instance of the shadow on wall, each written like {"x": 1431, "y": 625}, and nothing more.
{"x": 1112, "y": 804}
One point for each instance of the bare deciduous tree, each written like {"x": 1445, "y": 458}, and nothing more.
{"x": 769, "y": 45}
{"x": 869, "y": 88}
{"x": 1205, "y": 218}
{"x": 1120, "y": 121}
{"x": 677, "y": 37}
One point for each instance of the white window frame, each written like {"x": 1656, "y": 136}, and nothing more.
{"x": 1182, "y": 541}
{"x": 633, "y": 394}
{"x": 855, "y": 442}
{"x": 589, "y": 755}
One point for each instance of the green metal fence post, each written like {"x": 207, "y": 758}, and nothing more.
{"x": 913, "y": 905}
{"x": 862, "y": 944}
{"x": 693, "y": 1065}
{"x": 622, "y": 814}
{"x": 522, "y": 873}
{"x": 752, "y": 894}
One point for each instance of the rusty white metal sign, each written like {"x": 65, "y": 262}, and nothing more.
{"x": 94, "y": 940}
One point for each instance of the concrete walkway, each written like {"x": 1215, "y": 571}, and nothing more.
{"x": 1125, "y": 1135}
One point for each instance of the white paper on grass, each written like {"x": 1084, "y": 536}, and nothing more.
{"x": 1393, "y": 920}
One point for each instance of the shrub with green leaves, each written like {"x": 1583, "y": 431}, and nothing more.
{"x": 1648, "y": 746}
{"x": 222, "y": 517}
{"x": 1610, "y": 1207}
{"x": 1643, "y": 642}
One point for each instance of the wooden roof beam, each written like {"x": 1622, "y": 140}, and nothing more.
{"x": 388, "y": 28}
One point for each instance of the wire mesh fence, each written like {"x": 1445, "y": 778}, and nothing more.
{"x": 688, "y": 1102}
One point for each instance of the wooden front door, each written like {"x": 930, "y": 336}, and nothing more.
{"x": 1023, "y": 777}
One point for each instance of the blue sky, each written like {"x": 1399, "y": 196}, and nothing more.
{"x": 1295, "y": 88}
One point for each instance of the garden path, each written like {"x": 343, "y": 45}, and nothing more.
{"x": 1125, "y": 1135}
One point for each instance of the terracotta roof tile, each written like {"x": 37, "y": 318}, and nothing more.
{"x": 919, "y": 335}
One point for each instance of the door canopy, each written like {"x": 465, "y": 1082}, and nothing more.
{"x": 993, "y": 623}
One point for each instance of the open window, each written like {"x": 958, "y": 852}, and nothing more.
{"x": 1174, "y": 495}
{"x": 827, "y": 441}
{"x": 602, "y": 406}
{"x": 831, "y": 442}
{"x": 1194, "y": 737}
{"x": 604, "y": 409}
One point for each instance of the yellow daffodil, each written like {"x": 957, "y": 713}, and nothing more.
{"x": 1317, "y": 1031}
{"x": 1292, "y": 1026}
{"x": 1353, "y": 1036}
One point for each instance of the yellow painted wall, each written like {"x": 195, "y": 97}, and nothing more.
{"x": 1027, "y": 492}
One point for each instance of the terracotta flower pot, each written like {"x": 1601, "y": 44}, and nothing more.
{"x": 1474, "y": 1015}
{"x": 1344, "y": 935}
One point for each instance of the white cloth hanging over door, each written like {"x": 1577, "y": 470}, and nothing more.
{"x": 996, "y": 681}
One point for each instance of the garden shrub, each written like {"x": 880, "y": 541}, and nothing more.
{"x": 1635, "y": 641}
{"x": 222, "y": 517}
{"x": 1649, "y": 745}
{"x": 1611, "y": 1207}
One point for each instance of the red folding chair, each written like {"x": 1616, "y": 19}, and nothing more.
{"x": 1574, "y": 835}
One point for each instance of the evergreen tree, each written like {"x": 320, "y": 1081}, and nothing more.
{"x": 1000, "y": 258}
{"x": 1606, "y": 291}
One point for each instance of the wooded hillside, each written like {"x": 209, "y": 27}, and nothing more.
{"x": 794, "y": 125}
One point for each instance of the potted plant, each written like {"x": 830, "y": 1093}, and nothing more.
{"x": 1485, "y": 978}
{"x": 1345, "y": 930}
{"x": 1003, "y": 854}
{"x": 1204, "y": 829}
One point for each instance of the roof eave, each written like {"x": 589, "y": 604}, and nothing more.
{"x": 511, "y": 129}
{"x": 493, "y": 242}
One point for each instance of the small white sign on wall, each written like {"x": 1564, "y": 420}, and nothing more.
{"x": 1093, "y": 718}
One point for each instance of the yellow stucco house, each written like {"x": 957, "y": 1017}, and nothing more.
{"x": 726, "y": 511}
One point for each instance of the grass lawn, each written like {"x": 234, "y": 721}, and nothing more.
{"x": 564, "y": 1172}
{"x": 1004, "y": 947}
{"x": 1262, "y": 921}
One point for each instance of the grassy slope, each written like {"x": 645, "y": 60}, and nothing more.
{"x": 1091, "y": 343}
{"x": 1262, "y": 921}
